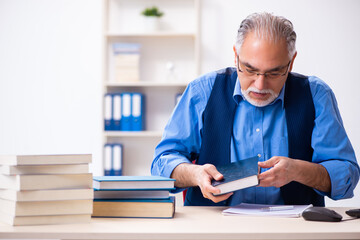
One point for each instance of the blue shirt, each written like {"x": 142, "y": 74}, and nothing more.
{"x": 265, "y": 132}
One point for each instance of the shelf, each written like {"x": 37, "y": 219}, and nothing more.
{"x": 133, "y": 134}
{"x": 146, "y": 84}
{"x": 151, "y": 34}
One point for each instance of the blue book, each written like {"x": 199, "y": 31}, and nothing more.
{"x": 132, "y": 182}
{"x": 126, "y": 112}
{"x": 238, "y": 175}
{"x": 116, "y": 112}
{"x": 107, "y": 159}
{"x": 134, "y": 208}
{"x": 163, "y": 193}
{"x": 108, "y": 112}
{"x": 116, "y": 159}
{"x": 137, "y": 111}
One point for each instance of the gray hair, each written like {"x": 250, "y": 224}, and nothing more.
{"x": 268, "y": 26}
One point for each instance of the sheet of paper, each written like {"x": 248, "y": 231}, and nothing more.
{"x": 258, "y": 210}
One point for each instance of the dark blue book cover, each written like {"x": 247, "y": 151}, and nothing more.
{"x": 238, "y": 175}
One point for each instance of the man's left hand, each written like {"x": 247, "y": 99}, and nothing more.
{"x": 283, "y": 171}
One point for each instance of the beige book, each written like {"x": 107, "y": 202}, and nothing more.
{"x": 164, "y": 208}
{"x": 38, "y": 182}
{"x": 44, "y": 159}
{"x": 46, "y": 195}
{"x": 44, "y": 169}
{"x": 44, "y": 220}
{"x": 41, "y": 208}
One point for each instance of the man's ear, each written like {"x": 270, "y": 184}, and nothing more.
{"x": 235, "y": 54}
{"x": 292, "y": 61}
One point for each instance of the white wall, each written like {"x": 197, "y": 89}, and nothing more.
{"x": 51, "y": 63}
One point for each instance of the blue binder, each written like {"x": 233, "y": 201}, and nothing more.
{"x": 116, "y": 159}
{"x": 107, "y": 162}
{"x": 116, "y": 112}
{"x": 137, "y": 104}
{"x": 108, "y": 112}
{"x": 126, "y": 111}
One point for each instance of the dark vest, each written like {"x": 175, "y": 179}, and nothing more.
{"x": 218, "y": 118}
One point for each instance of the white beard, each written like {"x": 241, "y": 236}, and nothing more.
{"x": 264, "y": 103}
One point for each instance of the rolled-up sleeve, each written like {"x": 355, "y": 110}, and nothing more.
{"x": 332, "y": 147}
{"x": 182, "y": 134}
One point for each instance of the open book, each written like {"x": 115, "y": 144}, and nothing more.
{"x": 265, "y": 210}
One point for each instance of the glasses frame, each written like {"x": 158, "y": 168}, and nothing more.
{"x": 266, "y": 75}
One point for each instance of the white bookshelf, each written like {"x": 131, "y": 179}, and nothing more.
{"x": 178, "y": 42}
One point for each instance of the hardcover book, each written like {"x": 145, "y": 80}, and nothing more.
{"x": 44, "y": 159}
{"x": 137, "y": 208}
{"x": 44, "y": 169}
{"x": 38, "y": 182}
{"x": 39, "y": 208}
{"x": 132, "y": 194}
{"x": 238, "y": 175}
{"x": 132, "y": 182}
{"x": 44, "y": 220}
{"x": 46, "y": 195}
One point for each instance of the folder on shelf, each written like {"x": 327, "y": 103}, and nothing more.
{"x": 107, "y": 159}
{"x": 126, "y": 112}
{"x": 108, "y": 102}
{"x": 116, "y": 159}
{"x": 137, "y": 112}
{"x": 116, "y": 112}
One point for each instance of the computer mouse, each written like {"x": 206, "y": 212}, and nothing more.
{"x": 321, "y": 214}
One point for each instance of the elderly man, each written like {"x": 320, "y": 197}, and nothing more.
{"x": 290, "y": 121}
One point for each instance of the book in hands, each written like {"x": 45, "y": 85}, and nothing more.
{"x": 238, "y": 175}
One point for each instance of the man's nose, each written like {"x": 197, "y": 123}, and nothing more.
{"x": 260, "y": 82}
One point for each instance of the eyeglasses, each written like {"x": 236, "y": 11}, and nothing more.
{"x": 268, "y": 75}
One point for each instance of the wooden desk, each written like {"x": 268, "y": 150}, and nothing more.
{"x": 192, "y": 223}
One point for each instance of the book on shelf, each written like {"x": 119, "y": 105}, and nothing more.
{"x": 132, "y": 182}
{"x": 126, "y": 62}
{"x": 46, "y": 195}
{"x": 113, "y": 159}
{"x": 44, "y": 220}
{"x": 44, "y": 159}
{"x": 238, "y": 175}
{"x": 38, "y": 208}
{"x": 132, "y": 194}
{"x": 141, "y": 208}
{"x": 44, "y": 169}
{"x": 51, "y": 181}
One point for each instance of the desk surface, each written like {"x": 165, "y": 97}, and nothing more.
{"x": 192, "y": 223}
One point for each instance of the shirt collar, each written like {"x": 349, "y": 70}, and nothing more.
{"x": 238, "y": 96}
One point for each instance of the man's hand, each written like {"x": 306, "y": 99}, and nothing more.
{"x": 189, "y": 175}
{"x": 284, "y": 170}
{"x": 204, "y": 176}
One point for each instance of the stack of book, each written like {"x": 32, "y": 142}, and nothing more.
{"x": 133, "y": 196}
{"x": 126, "y": 62}
{"x": 45, "y": 189}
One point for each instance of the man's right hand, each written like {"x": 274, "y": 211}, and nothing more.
{"x": 190, "y": 175}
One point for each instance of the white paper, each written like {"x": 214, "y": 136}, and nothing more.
{"x": 257, "y": 210}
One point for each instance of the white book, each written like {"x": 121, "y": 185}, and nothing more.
{"x": 41, "y": 208}
{"x": 46, "y": 195}
{"x": 44, "y": 169}
{"x": 44, "y": 220}
{"x": 44, "y": 159}
{"x": 38, "y": 182}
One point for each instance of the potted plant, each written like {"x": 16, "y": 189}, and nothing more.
{"x": 152, "y": 16}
